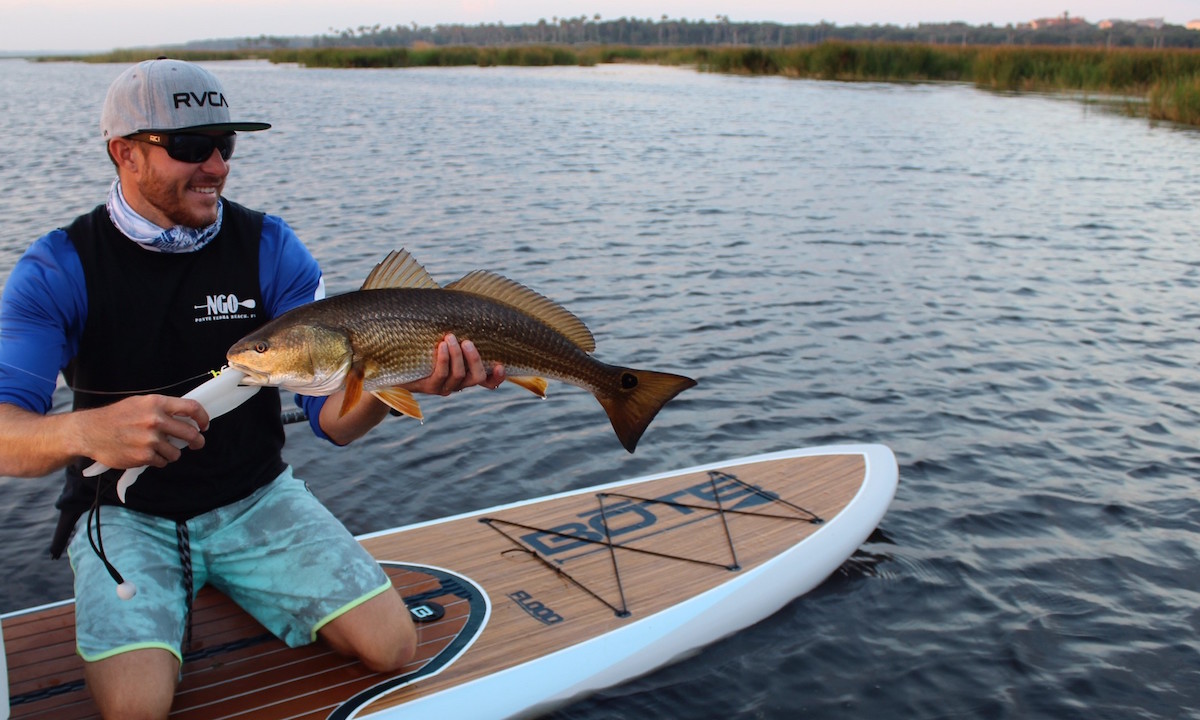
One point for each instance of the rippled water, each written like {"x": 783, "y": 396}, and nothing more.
{"x": 1003, "y": 289}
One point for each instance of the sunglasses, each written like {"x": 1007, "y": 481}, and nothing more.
{"x": 189, "y": 147}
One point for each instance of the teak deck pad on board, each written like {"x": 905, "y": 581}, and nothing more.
{"x": 493, "y": 590}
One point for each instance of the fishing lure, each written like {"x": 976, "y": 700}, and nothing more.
{"x": 218, "y": 395}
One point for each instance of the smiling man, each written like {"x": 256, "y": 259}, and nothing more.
{"x": 142, "y": 104}
{"x": 121, "y": 302}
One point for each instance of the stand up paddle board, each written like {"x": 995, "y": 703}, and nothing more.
{"x": 524, "y": 607}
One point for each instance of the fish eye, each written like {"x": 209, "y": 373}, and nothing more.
{"x": 261, "y": 346}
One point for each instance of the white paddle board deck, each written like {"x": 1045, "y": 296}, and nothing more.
{"x": 524, "y": 607}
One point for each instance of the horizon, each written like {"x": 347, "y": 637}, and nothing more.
{"x": 35, "y": 26}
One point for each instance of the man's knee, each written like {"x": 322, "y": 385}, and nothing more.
{"x": 380, "y": 633}
{"x": 388, "y": 655}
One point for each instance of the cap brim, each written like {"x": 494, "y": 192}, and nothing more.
{"x": 215, "y": 127}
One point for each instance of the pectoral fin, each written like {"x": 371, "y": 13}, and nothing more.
{"x": 353, "y": 391}
{"x": 400, "y": 400}
{"x": 532, "y": 383}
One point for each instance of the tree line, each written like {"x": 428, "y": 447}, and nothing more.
{"x": 722, "y": 31}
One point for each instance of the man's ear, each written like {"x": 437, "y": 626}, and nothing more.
{"x": 121, "y": 151}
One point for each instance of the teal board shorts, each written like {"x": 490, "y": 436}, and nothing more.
{"x": 279, "y": 554}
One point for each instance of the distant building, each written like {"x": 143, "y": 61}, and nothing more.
{"x": 1065, "y": 20}
{"x": 1152, "y": 23}
{"x": 1194, "y": 25}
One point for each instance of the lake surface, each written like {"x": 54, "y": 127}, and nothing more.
{"x": 1003, "y": 289}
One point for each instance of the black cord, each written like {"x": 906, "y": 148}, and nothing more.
{"x": 98, "y": 543}
{"x": 185, "y": 559}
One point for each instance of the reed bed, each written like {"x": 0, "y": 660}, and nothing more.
{"x": 1167, "y": 80}
{"x": 1176, "y": 100}
{"x": 443, "y": 56}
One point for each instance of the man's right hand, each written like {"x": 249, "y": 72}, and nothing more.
{"x": 129, "y": 433}
{"x": 137, "y": 431}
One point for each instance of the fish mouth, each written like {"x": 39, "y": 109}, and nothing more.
{"x": 253, "y": 377}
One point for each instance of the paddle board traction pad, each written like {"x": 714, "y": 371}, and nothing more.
{"x": 526, "y": 606}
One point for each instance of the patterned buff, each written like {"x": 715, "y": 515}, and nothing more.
{"x": 178, "y": 239}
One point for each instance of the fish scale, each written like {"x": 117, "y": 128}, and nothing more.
{"x": 397, "y": 327}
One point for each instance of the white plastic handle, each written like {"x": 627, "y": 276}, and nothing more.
{"x": 218, "y": 396}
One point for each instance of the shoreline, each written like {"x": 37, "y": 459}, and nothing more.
{"x": 1162, "y": 84}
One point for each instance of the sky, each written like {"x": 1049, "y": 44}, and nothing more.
{"x": 98, "y": 25}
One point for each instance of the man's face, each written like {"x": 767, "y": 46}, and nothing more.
{"x": 169, "y": 192}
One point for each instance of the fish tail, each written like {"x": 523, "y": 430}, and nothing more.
{"x": 642, "y": 393}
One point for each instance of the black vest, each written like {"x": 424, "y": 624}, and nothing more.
{"x": 158, "y": 323}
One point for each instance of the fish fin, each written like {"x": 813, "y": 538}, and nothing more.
{"x": 399, "y": 270}
{"x": 515, "y": 295}
{"x": 400, "y": 400}
{"x": 639, "y": 397}
{"x": 354, "y": 386}
{"x": 532, "y": 383}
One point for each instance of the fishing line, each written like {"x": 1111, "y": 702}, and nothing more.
{"x": 75, "y": 389}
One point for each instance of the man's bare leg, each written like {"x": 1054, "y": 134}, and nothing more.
{"x": 379, "y": 632}
{"x": 136, "y": 685}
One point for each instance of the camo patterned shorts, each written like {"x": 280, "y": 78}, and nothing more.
{"x": 279, "y": 554}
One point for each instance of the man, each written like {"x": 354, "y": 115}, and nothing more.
{"x": 136, "y": 302}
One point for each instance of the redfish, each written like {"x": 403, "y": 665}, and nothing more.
{"x": 383, "y": 335}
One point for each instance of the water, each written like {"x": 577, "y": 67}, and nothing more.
{"x": 1003, "y": 289}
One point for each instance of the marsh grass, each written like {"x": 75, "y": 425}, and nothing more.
{"x": 1168, "y": 80}
{"x": 1176, "y": 100}
{"x": 430, "y": 56}
{"x": 1126, "y": 71}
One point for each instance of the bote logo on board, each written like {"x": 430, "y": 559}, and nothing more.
{"x": 601, "y": 526}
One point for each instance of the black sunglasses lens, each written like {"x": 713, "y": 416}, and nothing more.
{"x": 198, "y": 148}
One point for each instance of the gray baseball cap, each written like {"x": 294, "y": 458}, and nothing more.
{"x": 167, "y": 96}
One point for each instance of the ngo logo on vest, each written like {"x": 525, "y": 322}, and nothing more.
{"x": 226, "y": 307}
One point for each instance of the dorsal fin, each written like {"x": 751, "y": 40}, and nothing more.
{"x": 399, "y": 270}
{"x": 514, "y": 294}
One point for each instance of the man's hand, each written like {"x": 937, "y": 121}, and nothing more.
{"x": 457, "y": 366}
{"x": 137, "y": 431}
{"x": 129, "y": 433}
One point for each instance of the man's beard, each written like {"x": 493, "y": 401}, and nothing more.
{"x": 168, "y": 197}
